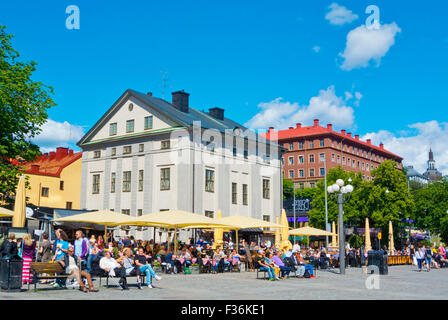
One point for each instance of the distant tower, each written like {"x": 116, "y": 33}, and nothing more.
{"x": 431, "y": 172}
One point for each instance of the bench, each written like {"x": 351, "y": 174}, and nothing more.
{"x": 49, "y": 268}
{"x": 100, "y": 273}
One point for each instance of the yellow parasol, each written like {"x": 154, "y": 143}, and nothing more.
{"x": 391, "y": 238}
{"x": 334, "y": 242}
{"x": 309, "y": 231}
{"x": 277, "y": 234}
{"x": 367, "y": 236}
{"x": 218, "y": 233}
{"x": 6, "y": 213}
{"x": 18, "y": 220}
{"x": 285, "y": 244}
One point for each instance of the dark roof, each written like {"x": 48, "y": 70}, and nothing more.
{"x": 411, "y": 172}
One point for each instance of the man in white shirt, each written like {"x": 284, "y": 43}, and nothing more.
{"x": 114, "y": 268}
{"x": 74, "y": 271}
{"x": 296, "y": 247}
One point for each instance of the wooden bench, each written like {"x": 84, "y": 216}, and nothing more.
{"x": 49, "y": 268}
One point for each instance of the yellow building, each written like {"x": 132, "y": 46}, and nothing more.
{"x": 55, "y": 179}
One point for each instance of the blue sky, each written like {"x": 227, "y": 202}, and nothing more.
{"x": 264, "y": 62}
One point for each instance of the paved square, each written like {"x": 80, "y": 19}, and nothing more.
{"x": 403, "y": 282}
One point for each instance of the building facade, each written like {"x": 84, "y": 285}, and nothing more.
{"x": 55, "y": 179}
{"x": 147, "y": 155}
{"x": 312, "y": 151}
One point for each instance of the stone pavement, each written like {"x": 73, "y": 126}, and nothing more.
{"x": 402, "y": 282}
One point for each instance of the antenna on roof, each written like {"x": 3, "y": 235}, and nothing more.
{"x": 164, "y": 82}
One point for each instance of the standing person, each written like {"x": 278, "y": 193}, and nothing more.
{"x": 81, "y": 248}
{"x": 28, "y": 249}
{"x": 419, "y": 255}
{"x": 428, "y": 258}
{"x": 9, "y": 246}
{"x": 60, "y": 253}
{"x": 44, "y": 251}
{"x": 100, "y": 242}
{"x": 93, "y": 251}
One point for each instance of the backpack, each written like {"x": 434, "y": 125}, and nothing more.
{"x": 307, "y": 274}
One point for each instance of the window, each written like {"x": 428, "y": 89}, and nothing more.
{"x": 141, "y": 147}
{"x": 291, "y": 146}
{"x": 113, "y": 129}
{"x": 209, "y": 214}
{"x": 311, "y": 144}
{"x": 126, "y": 211}
{"x": 312, "y": 184}
{"x": 353, "y": 163}
{"x": 209, "y": 180}
{"x": 165, "y": 144}
{"x": 129, "y": 126}
{"x": 362, "y": 166}
{"x": 339, "y": 159}
{"x": 301, "y": 173}
{"x": 267, "y": 219}
{"x": 45, "y": 191}
{"x": 234, "y": 193}
{"x": 246, "y": 147}
{"x": 245, "y": 198}
{"x": 234, "y": 147}
{"x": 96, "y": 184}
{"x": 68, "y": 205}
{"x": 348, "y": 162}
{"x": 126, "y": 181}
{"x": 322, "y": 142}
{"x": 322, "y": 157}
{"x": 332, "y": 157}
{"x": 127, "y": 149}
{"x": 140, "y": 180}
{"x": 301, "y": 145}
{"x": 148, "y": 122}
{"x": 266, "y": 189}
{"x": 61, "y": 185}
{"x": 311, "y": 158}
{"x": 358, "y": 164}
{"x": 311, "y": 172}
{"x": 283, "y": 161}
{"x": 96, "y": 154}
{"x": 322, "y": 171}
{"x": 291, "y": 174}
{"x": 165, "y": 179}
{"x": 343, "y": 161}
{"x": 301, "y": 159}
{"x": 114, "y": 152}
{"x": 290, "y": 160}
{"x": 112, "y": 182}
{"x": 301, "y": 185}
{"x": 139, "y": 212}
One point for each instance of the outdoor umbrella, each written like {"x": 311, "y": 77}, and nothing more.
{"x": 218, "y": 232}
{"x": 6, "y": 213}
{"x": 309, "y": 231}
{"x": 334, "y": 242}
{"x": 277, "y": 234}
{"x": 391, "y": 238}
{"x": 367, "y": 236}
{"x": 286, "y": 244}
{"x": 18, "y": 220}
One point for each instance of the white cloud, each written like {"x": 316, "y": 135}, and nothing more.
{"x": 58, "y": 134}
{"x": 339, "y": 15}
{"x": 413, "y": 144}
{"x": 316, "y": 49}
{"x": 366, "y": 44}
{"x": 327, "y": 107}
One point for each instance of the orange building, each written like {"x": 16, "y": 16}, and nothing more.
{"x": 308, "y": 147}
{"x": 55, "y": 179}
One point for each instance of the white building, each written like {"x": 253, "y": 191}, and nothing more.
{"x": 147, "y": 155}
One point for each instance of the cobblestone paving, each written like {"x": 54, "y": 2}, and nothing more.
{"x": 402, "y": 282}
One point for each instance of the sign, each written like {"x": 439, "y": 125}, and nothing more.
{"x": 379, "y": 235}
{"x": 302, "y": 205}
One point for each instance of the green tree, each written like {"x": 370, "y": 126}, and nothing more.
{"x": 288, "y": 188}
{"x": 24, "y": 105}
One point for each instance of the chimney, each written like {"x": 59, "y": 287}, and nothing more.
{"x": 381, "y": 145}
{"x": 298, "y": 125}
{"x": 52, "y": 155}
{"x": 343, "y": 131}
{"x": 149, "y": 94}
{"x": 369, "y": 142}
{"x": 357, "y": 136}
{"x": 70, "y": 152}
{"x": 61, "y": 153}
{"x": 35, "y": 168}
{"x": 216, "y": 113}
{"x": 316, "y": 122}
{"x": 349, "y": 134}
{"x": 180, "y": 100}
{"x": 271, "y": 129}
{"x": 290, "y": 128}
{"x": 329, "y": 126}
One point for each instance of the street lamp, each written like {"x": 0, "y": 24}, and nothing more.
{"x": 343, "y": 193}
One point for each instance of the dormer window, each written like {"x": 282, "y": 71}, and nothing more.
{"x": 129, "y": 126}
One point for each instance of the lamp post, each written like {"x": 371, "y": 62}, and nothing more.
{"x": 341, "y": 192}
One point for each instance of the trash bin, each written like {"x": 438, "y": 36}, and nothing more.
{"x": 11, "y": 273}
{"x": 378, "y": 259}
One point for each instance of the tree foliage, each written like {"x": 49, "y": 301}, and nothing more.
{"x": 24, "y": 105}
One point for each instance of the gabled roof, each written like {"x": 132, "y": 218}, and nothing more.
{"x": 166, "y": 109}
{"x": 316, "y": 130}
{"x": 411, "y": 172}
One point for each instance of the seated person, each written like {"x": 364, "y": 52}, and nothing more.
{"x": 302, "y": 267}
{"x": 264, "y": 264}
{"x": 185, "y": 258}
{"x": 219, "y": 256}
{"x": 142, "y": 265}
{"x": 285, "y": 270}
{"x": 74, "y": 272}
{"x": 114, "y": 268}
{"x": 235, "y": 258}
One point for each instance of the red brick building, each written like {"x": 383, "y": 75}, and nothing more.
{"x": 308, "y": 147}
